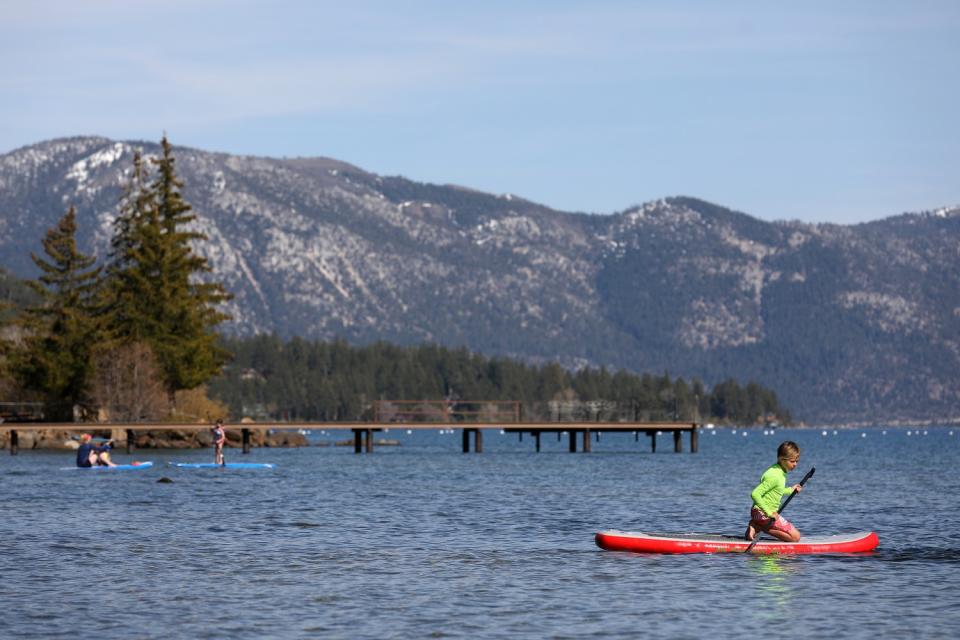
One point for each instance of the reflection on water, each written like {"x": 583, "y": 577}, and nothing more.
{"x": 772, "y": 581}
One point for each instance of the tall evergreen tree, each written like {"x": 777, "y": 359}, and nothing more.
{"x": 61, "y": 332}
{"x": 121, "y": 307}
{"x": 135, "y": 205}
{"x": 159, "y": 296}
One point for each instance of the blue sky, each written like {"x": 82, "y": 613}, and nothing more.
{"x": 819, "y": 111}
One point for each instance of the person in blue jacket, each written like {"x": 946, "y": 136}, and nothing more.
{"x": 91, "y": 455}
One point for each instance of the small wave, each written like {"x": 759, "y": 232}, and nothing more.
{"x": 66, "y": 547}
{"x": 919, "y": 554}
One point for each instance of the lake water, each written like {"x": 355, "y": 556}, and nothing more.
{"x": 421, "y": 540}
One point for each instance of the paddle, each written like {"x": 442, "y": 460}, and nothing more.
{"x": 782, "y": 507}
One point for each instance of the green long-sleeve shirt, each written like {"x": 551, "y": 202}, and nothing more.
{"x": 772, "y": 487}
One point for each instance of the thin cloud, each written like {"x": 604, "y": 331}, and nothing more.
{"x": 523, "y": 96}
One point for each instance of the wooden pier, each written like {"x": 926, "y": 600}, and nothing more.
{"x": 584, "y": 430}
{"x": 363, "y": 432}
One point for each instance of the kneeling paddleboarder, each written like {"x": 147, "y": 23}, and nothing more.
{"x": 764, "y": 515}
{"x": 91, "y": 455}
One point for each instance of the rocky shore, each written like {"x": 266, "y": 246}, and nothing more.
{"x": 158, "y": 439}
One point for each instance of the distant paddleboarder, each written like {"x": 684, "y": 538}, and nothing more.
{"x": 764, "y": 515}
{"x": 219, "y": 438}
{"x": 91, "y": 455}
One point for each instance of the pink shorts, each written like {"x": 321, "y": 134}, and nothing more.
{"x": 760, "y": 520}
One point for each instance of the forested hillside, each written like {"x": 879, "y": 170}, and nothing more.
{"x": 273, "y": 379}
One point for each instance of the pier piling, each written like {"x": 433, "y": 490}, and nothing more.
{"x": 477, "y": 440}
{"x": 363, "y": 432}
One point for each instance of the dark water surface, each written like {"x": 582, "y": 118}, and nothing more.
{"x": 421, "y": 540}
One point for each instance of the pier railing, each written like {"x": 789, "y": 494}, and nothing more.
{"x": 21, "y": 412}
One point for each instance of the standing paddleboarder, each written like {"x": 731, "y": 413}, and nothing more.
{"x": 764, "y": 515}
{"x": 219, "y": 437}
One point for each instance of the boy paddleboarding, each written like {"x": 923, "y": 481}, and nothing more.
{"x": 764, "y": 514}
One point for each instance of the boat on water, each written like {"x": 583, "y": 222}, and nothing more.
{"x": 613, "y": 540}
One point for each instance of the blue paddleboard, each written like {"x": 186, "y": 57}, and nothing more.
{"x": 116, "y": 467}
{"x": 229, "y": 465}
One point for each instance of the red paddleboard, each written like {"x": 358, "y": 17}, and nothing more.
{"x": 711, "y": 543}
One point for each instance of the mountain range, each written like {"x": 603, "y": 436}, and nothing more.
{"x": 848, "y": 324}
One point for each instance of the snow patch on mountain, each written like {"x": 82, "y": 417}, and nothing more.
{"x": 80, "y": 171}
{"x": 711, "y": 325}
{"x": 889, "y": 313}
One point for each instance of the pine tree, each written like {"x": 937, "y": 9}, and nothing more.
{"x": 135, "y": 205}
{"x": 157, "y": 293}
{"x": 61, "y": 332}
{"x": 121, "y": 307}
